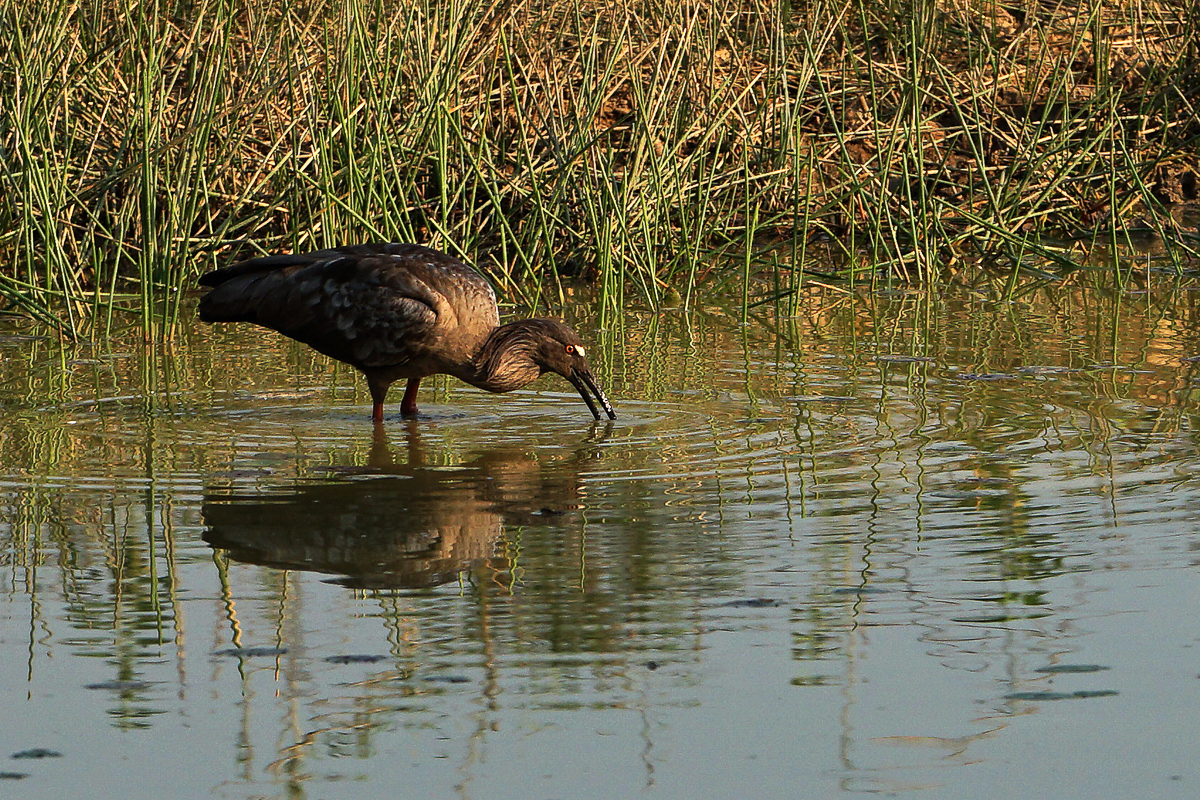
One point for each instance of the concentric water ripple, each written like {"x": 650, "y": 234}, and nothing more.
{"x": 872, "y": 541}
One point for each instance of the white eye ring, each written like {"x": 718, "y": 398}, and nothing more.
{"x": 579, "y": 351}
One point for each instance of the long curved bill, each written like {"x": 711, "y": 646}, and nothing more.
{"x": 585, "y": 383}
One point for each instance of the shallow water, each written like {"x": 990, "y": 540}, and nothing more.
{"x": 926, "y": 545}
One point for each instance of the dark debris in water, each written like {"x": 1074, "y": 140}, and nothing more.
{"x": 238, "y": 474}
{"x": 812, "y": 680}
{"x": 1068, "y": 669}
{"x": 447, "y": 679}
{"x": 1083, "y": 694}
{"x": 37, "y": 752}
{"x": 822, "y": 398}
{"x": 986, "y": 619}
{"x": 251, "y": 652}
{"x": 755, "y": 602}
{"x": 857, "y": 590}
{"x": 351, "y": 658}
{"x": 13, "y": 776}
{"x": 119, "y": 686}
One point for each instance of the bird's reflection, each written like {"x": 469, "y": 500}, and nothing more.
{"x": 396, "y": 522}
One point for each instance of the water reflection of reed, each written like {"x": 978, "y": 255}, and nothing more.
{"x": 834, "y": 479}
{"x": 393, "y": 524}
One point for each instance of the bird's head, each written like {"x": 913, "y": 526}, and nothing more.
{"x": 531, "y": 347}
{"x": 561, "y": 350}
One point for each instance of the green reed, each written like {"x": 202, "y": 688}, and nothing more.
{"x": 664, "y": 151}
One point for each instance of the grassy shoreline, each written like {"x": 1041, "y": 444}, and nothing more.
{"x": 660, "y": 150}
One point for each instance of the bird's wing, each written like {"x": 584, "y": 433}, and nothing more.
{"x": 370, "y": 306}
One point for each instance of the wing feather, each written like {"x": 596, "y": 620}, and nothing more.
{"x": 371, "y": 306}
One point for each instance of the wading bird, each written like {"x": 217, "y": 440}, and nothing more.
{"x": 397, "y": 311}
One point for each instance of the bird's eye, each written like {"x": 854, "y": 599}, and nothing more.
{"x": 574, "y": 350}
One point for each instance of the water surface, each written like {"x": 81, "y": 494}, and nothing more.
{"x": 910, "y": 543}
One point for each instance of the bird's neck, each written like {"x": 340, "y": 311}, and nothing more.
{"x": 504, "y": 361}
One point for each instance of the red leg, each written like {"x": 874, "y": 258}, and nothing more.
{"x": 378, "y": 395}
{"x": 408, "y": 406}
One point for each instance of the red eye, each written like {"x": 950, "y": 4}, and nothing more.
{"x": 571, "y": 350}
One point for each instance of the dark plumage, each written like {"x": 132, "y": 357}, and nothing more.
{"x": 399, "y": 311}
